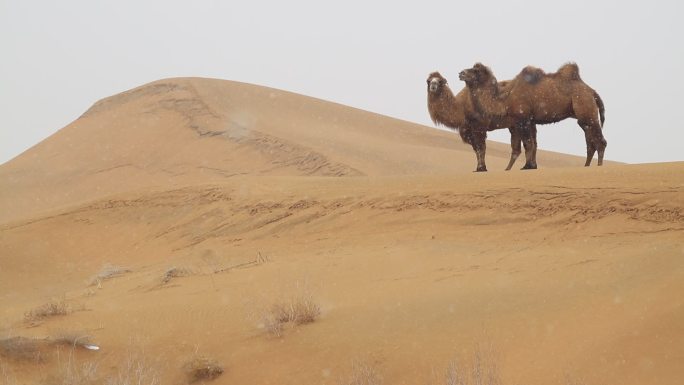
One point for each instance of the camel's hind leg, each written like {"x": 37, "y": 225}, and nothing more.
{"x": 587, "y": 114}
{"x": 601, "y": 145}
{"x": 591, "y": 150}
{"x": 516, "y": 139}
{"x": 595, "y": 142}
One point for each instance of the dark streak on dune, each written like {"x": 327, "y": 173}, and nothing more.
{"x": 182, "y": 98}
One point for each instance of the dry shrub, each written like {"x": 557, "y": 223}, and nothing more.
{"x": 203, "y": 368}
{"x": 72, "y": 373}
{"x": 7, "y": 376}
{"x": 53, "y": 308}
{"x": 294, "y": 306}
{"x": 135, "y": 370}
{"x": 303, "y": 310}
{"x": 362, "y": 373}
{"x": 175, "y": 272}
{"x": 481, "y": 369}
{"x": 108, "y": 272}
{"x": 299, "y": 310}
{"x": 21, "y": 349}
{"x": 272, "y": 324}
{"x": 67, "y": 372}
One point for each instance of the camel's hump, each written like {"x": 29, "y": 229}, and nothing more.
{"x": 569, "y": 71}
{"x": 532, "y": 74}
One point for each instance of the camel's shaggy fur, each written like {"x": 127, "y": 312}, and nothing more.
{"x": 459, "y": 113}
{"x": 537, "y": 97}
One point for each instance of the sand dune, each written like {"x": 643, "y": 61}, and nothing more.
{"x": 257, "y": 195}
{"x": 181, "y": 131}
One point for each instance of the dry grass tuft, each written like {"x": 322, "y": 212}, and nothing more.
{"x": 480, "y": 369}
{"x": 202, "y": 368}
{"x": 135, "y": 370}
{"x": 21, "y": 349}
{"x": 53, "y": 308}
{"x": 272, "y": 324}
{"x": 7, "y": 376}
{"x": 71, "y": 373}
{"x": 108, "y": 272}
{"x": 363, "y": 373}
{"x": 297, "y": 311}
{"x": 303, "y": 310}
{"x": 175, "y": 272}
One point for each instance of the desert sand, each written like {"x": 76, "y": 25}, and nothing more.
{"x": 215, "y": 200}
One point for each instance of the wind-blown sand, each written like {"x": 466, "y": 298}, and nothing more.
{"x": 565, "y": 272}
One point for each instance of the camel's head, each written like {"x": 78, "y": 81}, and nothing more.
{"x": 478, "y": 75}
{"x": 435, "y": 82}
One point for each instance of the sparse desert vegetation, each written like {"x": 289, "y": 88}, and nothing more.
{"x": 7, "y": 376}
{"x": 202, "y": 368}
{"x": 71, "y": 368}
{"x": 54, "y": 307}
{"x": 362, "y": 373}
{"x": 70, "y": 372}
{"x": 108, "y": 271}
{"x": 300, "y": 309}
{"x": 481, "y": 368}
{"x": 136, "y": 369}
{"x": 20, "y": 349}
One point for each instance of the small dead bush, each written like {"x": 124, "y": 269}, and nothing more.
{"x": 203, "y": 368}
{"x": 362, "y": 373}
{"x": 108, "y": 272}
{"x": 480, "y": 369}
{"x": 297, "y": 311}
{"x": 21, "y": 349}
{"x": 304, "y": 310}
{"x": 135, "y": 370}
{"x": 7, "y": 376}
{"x": 53, "y": 308}
{"x": 273, "y": 324}
{"x": 175, "y": 272}
{"x": 72, "y": 373}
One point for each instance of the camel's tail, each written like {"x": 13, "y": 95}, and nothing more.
{"x": 602, "y": 110}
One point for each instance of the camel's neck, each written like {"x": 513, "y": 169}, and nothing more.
{"x": 446, "y": 110}
{"x": 487, "y": 100}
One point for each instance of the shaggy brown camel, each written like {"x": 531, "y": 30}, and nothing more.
{"x": 537, "y": 97}
{"x": 458, "y": 112}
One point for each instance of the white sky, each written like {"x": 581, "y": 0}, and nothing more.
{"x": 58, "y": 57}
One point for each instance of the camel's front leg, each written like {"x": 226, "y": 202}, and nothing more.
{"x": 529, "y": 138}
{"x": 516, "y": 139}
{"x": 480, "y": 147}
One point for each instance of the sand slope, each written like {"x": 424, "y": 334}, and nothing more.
{"x": 180, "y": 131}
{"x": 567, "y": 272}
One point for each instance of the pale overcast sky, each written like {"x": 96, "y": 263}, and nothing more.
{"x": 59, "y": 57}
